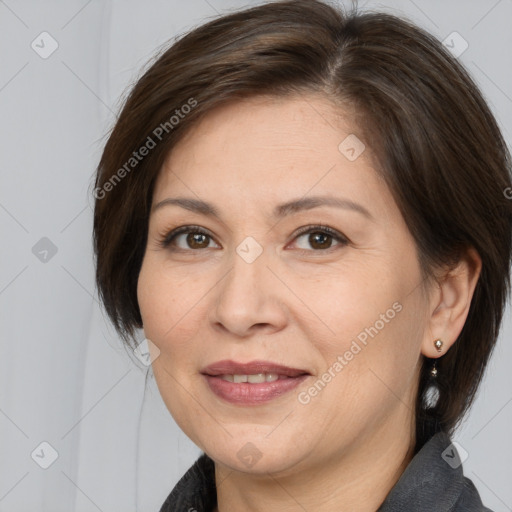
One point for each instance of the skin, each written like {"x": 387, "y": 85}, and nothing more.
{"x": 301, "y": 303}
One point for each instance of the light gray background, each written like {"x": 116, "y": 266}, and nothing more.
{"x": 64, "y": 376}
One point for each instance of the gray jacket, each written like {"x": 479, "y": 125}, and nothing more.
{"x": 432, "y": 482}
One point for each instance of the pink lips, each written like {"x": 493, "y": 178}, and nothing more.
{"x": 245, "y": 393}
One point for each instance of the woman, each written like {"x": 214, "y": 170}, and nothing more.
{"x": 306, "y": 212}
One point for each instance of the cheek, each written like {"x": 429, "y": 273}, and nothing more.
{"x": 390, "y": 340}
{"x": 347, "y": 302}
{"x": 369, "y": 318}
{"x": 169, "y": 303}
{"x": 370, "y": 371}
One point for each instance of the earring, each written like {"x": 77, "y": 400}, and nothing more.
{"x": 438, "y": 344}
{"x": 433, "y": 370}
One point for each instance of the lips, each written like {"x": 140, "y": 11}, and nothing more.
{"x": 228, "y": 367}
{"x": 243, "y": 393}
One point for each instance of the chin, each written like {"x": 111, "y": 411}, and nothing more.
{"x": 256, "y": 459}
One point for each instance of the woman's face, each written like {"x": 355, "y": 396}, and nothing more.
{"x": 331, "y": 289}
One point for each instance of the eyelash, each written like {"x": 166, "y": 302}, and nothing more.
{"x": 166, "y": 240}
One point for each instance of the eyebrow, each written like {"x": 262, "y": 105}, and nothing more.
{"x": 280, "y": 211}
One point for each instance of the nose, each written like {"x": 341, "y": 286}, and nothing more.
{"x": 249, "y": 299}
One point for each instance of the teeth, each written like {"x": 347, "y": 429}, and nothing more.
{"x": 258, "y": 378}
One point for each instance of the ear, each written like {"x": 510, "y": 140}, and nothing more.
{"x": 450, "y": 302}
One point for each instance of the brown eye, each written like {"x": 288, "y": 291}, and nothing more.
{"x": 197, "y": 240}
{"x": 319, "y": 238}
{"x": 187, "y": 238}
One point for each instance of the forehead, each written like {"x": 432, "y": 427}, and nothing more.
{"x": 269, "y": 119}
{"x": 263, "y": 147}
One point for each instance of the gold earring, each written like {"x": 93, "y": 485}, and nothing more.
{"x": 438, "y": 344}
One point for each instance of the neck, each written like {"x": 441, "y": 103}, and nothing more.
{"x": 357, "y": 480}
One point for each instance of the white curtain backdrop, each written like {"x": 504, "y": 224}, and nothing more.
{"x": 78, "y": 429}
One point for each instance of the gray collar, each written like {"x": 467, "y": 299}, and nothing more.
{"x": 434, "y": 481}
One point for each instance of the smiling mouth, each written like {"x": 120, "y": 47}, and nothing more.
{"x": 253, "y": 383}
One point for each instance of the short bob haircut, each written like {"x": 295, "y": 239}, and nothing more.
{"x": 432, "y": 136}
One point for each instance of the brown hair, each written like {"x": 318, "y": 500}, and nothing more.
{"x": 436, "y": 143}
